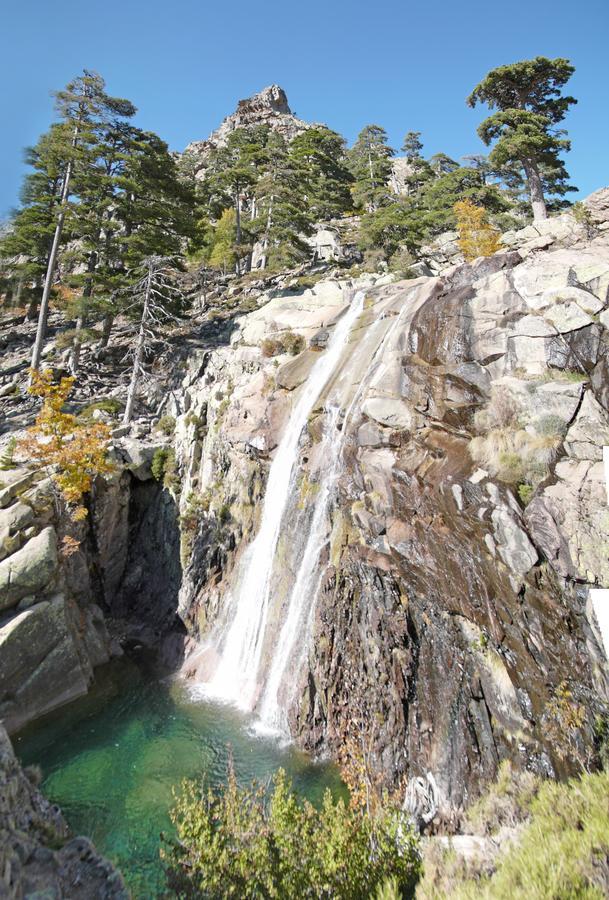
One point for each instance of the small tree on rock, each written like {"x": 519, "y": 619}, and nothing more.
{"x": 476, "y": 236}
{"x": 75, "y": 451}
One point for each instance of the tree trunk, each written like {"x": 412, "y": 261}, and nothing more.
{"x": 237, "y": 230}
{"x": 267, "y": 231}
{"x": 43, "y": 315}
{"x": 107, "y": 323}
{"x": 139, "y": 351}
{"x": 538, "y": 202}
{"x": 81, "y": 321}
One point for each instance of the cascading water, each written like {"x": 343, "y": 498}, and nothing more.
{"x": 236, "y": 676}
{"x": 301, "y": 604}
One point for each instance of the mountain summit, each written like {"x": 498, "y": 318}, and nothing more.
{"x": 268, "y": 107}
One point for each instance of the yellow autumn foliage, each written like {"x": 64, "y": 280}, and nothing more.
{"x": 75, "y": 451}
{"x": 477, "y": 237}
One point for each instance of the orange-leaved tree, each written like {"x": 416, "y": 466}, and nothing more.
{"x": 75, "y": 451}
{"x": 477, "y": 237}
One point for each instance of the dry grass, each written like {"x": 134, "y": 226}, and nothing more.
{"x": 509, "y": 452}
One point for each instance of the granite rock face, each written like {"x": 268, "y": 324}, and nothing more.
{"x": 447, "y": 613}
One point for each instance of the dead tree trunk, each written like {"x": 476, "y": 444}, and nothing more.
{"x": 139, "y": 348}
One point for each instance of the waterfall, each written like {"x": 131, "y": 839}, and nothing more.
{"x": 237, "y": 674}
{"x": 301, "y": 604}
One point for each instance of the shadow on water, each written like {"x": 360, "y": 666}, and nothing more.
{"x": 112, "y": 758}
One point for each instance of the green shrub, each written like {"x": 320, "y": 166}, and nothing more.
{"x": 571, "y": 375}
{"x": 550, "y": 425}
{"x": 400, "y": 263}
{"x": 223, "y": 514}
{"x": 109, "y": 404}
{"x": 245, "y": 843}
{"x": 564, "y": 851}
{"x": 166, "y": 424}
{"x": 7, "y": 460}
{"x": 157, "y": 466}
{"x": 66, "y": 338}
{"x": 601, "y": 740}
{"x": 292, "y": 343}
{"x": 525, "y": 492}
{"x": 560, "y": 849}
{"x": 164, "y": 467}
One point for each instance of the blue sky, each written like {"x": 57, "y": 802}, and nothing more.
{"x": 397, "y": 63}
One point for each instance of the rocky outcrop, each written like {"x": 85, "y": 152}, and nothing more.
{"x": 122, "y": 563}
{"x": 38, "y": 857}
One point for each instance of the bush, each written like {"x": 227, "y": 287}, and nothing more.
{"x": 167, "y": 425}
{"x": 564, "y": 851}
{"x": 75, "y": 452}
{"x": 109, "y": 404}
{"x": 164, "y": 466}
{"x": 7, "y": 460}
{"x": 525, "y": 492}
{"x": 550, "y": 426}
{"x": 288, "y": 342}
{"x": 476, "y": 236}
{"x": 241, "y": 842}
{"x": 509, "y": 452}
{"x": 400, "y": 263}
{"x": 560, "y": 849}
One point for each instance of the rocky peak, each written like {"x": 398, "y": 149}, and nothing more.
{"x": 268, "y": 107}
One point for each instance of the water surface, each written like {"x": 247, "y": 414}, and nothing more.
{"x": 112, "y": 758}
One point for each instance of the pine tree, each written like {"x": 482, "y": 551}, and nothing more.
{"x": 319, "y": 160}
{"x": 370, "y": 165}
{"x": 528, "y": 98}
{"x": 82, "y": 106}
{"x": 420, "y": 170}
{"x": 233, "y": 173}
{"x": 437, "y": 198}
{"x": 153, "y": 215}
{"x": 282, "y": 203}
{"x": 155, "y": 296}
{"x": 29, "y": 236}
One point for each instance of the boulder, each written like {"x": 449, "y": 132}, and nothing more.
{"x": 567, "y": 317}
{"x": 17, "y": 516}
{"x": 16, "y": 487}
{"x": 598, "y": 205}
{"x": 30, "y": 569}
{"x": 292, "y": 374}
{"x": 31, "y": 831}
{"x": 569, "y": 521}
{"x": 40, "y": 667}
{"x": 137, "y": 457}
{"x": 515, "y": 548}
